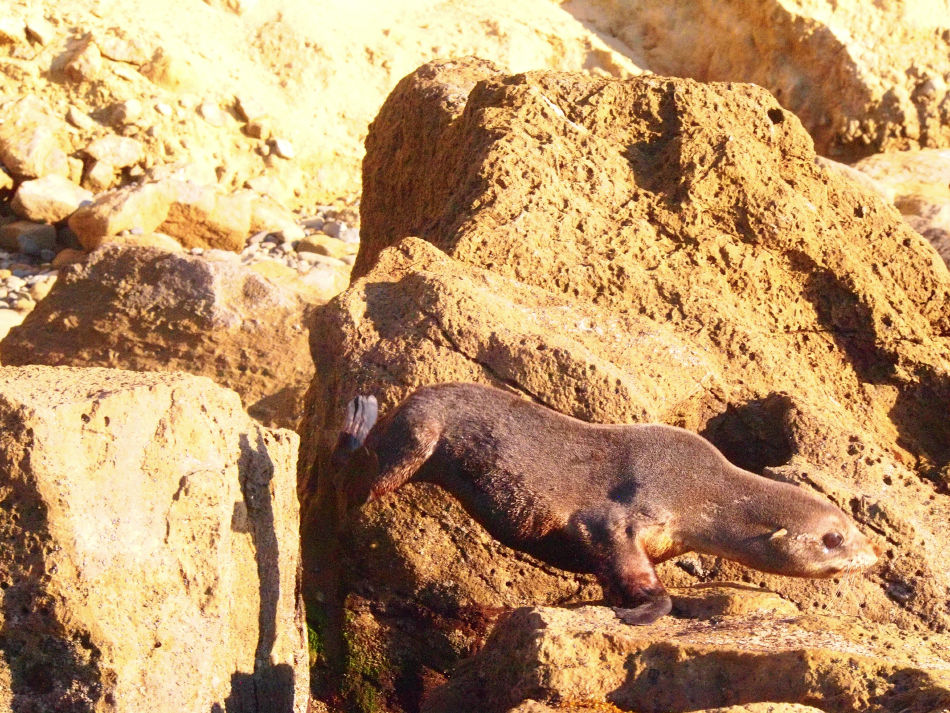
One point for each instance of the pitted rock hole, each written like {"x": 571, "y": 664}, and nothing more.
{"x": 754, "y": 435}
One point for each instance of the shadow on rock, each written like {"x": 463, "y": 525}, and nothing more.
{"x": 271, "y": 687}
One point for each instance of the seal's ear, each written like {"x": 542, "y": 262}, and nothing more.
{"x": 778, "y": 533}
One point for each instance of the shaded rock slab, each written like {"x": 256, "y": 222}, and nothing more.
{"x": 587, "y": 654}
{"x": 149, "y": 547}
{"x": 150, "y": 310}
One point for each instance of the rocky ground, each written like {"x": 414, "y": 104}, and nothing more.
{"x": 299, "y": 201}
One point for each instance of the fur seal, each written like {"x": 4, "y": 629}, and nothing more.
{"x": 612, "y": 500}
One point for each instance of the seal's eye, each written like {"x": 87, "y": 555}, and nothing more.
{"x": 832, "y": 539}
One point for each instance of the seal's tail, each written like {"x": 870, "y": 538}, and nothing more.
{"x": 361, "y": 414}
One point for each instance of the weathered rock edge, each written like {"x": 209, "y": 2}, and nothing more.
{"x": 587, "y": 654}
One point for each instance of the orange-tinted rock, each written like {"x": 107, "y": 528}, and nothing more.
{"x": 199, "y": 217}
{"x": 142, "y": 206}
{"x": 150, "y": 310}
{"x": 708, "y": 274}
{"x": 30, "y": 144}
{"x": 588, "y": 655}
{"x": 862, "y": 78}
{"x": 49, "y": 199}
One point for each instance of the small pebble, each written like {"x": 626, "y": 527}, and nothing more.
{"x": 334, "y": 228}
{"x": 283, "y": 148}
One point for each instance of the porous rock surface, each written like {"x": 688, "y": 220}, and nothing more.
{"x": 862, "y": 77}
{"x": 627, "y": 251}
{"x": 587, "y": 654}
{"x": 146, "y": 309}
{"x": 149, "y": 547}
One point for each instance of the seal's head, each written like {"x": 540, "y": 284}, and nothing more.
{"x": 806, "y": 536}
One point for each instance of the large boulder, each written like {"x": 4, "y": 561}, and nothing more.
{"x": 588, "y": 655}
{"x": 624, "y": 251}
{"x": 149, "y": 549}
{"x": 150, "y": 310}
{"x": 862, "y": 77}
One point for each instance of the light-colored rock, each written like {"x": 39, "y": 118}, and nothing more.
{"x": 212, "y": 113}
{"x": 117, "y": 45}
{"x": 39, "y": 29}
{"x": 906, "y": 173}
{"x": 41, "y": 288}
{"x": 12, "y": 30}
{"x": 9, "y": 318}
{"x": 125, "y": 112}
{"x": 170, "y": 71}
{"x": 587, "y": 654}
{"x": 79, "y": 119}
{"x": 144, "y": 206}
{"x": 29, "y": 139}
{"x": 148, "y": 309}
{"x": 268, "y": 214}
{"x": 706, "y": 601}
{"x": 324, "y": 245}
{"x": 145, "y": 240}
{"x": 48, "y": 199}
{"x": 315, "y": 286}
{"x": 150, "y": 547}
{"x": 120, "y": 151}
{"x": 861, "y": 78}
{"x": 84, "y": 63}
{"x": 199, "y": 217}
{"x": 100, "y": 176}
{"x": 248, "y": 108}
{"x": 27, "y": 237}
{"x": 283, "y": 148}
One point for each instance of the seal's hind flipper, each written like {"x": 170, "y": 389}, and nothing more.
{"x": 361, "y": 414}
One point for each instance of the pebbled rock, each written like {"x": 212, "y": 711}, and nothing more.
{"x": 29, "y": 139}
{"x": 587, "y": 654}
{"x": 862, "y": 78}
{"x": 48, "y": 199}
{"x": 150, "y": 310}
{"x": 201, "y": 533}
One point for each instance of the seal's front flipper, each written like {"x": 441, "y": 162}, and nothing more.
{"x": 630, "y": 583}
{"x": 648, "y": 612}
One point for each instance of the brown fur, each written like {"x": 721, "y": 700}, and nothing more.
{"x": 612, "y": 500}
